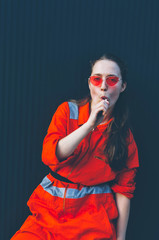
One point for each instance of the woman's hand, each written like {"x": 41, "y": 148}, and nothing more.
{"x": 98, "y": 112}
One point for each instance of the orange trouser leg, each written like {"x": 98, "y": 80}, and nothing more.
{"x": 25, "y": 236}
{"x": 30, "y": 230}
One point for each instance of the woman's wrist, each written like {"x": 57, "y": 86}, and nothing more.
{"x": 88, "y": 127}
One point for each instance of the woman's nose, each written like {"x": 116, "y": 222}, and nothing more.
{"x": 104, "y": 85}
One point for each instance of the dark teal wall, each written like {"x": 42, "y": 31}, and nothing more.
{"x": 45, "y": 49}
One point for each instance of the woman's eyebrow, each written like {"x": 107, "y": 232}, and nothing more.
{"x": 99, "y": 74}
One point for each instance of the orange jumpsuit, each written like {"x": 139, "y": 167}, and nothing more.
{"x": 85, "y": 207}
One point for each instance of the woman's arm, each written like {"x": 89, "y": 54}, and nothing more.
{"x": 67, "y": 145}
{"x": 123, "y": 205}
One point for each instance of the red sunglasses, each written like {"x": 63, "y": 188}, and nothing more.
{"x": 110, "y": 80}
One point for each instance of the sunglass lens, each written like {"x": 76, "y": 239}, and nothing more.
{"x": 111, "y": 81}
{"x": 95, "y": 80}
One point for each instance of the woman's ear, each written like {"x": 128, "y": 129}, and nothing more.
{"x": 123, "y": 87}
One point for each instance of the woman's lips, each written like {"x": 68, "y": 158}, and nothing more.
{"x": 104, "y": 97}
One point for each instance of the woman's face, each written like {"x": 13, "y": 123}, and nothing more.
{"x": 104, "y": 68}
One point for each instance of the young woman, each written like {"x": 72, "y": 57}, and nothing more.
{"x": 93, "y": 157}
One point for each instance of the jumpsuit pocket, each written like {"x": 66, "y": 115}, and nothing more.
{"x": 102, "y": 159}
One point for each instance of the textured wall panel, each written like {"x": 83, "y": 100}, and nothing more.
{"x": 45, "y": 49}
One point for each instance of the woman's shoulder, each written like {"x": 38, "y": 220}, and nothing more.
{"x": 69, "y": 105}
{"x": 73, "y": 106}
{"x": 69, "y": 108}
{"x": 130, "y": 136}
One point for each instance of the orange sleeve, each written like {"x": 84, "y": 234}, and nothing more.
{"x": 56, "y": 131}
{"x": 125, "y": 180}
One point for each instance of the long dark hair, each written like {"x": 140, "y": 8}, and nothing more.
{"x": 116, "y": 145}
